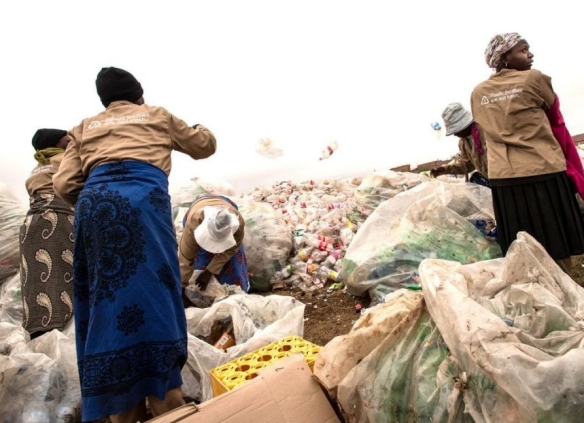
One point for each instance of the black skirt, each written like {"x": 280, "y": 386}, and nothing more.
{"x": 544, "y": 206}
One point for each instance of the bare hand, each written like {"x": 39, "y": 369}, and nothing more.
{"x": 438, "y": 171}
{"x": 203, "y": 280}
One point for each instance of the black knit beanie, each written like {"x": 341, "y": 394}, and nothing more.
{"x": 46, "y": 138}
{"x": 115, "y": 84}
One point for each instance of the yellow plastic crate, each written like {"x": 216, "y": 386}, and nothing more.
{"x": 230, "y": 375}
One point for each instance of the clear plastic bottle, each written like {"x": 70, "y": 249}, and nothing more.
{"x": 312, "y": 268}
{"x": 314, "y": 241}
{"x": 332, "y": 258}
{"x": 326, "y": 273}
{"x": 329, "y": 150}
{"x": 282, "y": 274}
{"x": 347, "y": 235}
{"x": 304, "y": 253}
{"x": 318, "y": 256}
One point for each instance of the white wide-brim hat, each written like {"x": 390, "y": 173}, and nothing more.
{"x": 456, "y": 118}
{"x": 215, "y": 233}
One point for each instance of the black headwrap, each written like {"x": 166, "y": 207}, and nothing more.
{"x": 117, "y": 84}
{"x": 46, "y": 138}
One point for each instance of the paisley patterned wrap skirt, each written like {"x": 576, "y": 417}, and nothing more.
{"x": 46, "y": 260}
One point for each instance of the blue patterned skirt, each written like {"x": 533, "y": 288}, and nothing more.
{"x": 233, "y": 273}
{"x": 130, "y": 322}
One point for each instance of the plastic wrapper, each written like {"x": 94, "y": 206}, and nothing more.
{"x": 12, "y": 215}
{"x": 432, "y": 220}
{"x": 267, "y": 242}
{"x": 11, "y": 309}
{"x": 515, "y": 327}
{"x": 257, "y": 321}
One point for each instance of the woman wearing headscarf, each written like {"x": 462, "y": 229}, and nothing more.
{"x": 527, "y": 164}
{"x": 130, "y": 322}
{"x": 46, "y": 241}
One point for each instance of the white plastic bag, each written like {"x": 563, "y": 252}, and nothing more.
{"x": 517, "y": 332}
{"x": 11, "y": 309}
{"x": 257, "y": 321}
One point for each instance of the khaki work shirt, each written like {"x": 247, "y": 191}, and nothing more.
{"x": 188, "y": 247}
{"x": 127, "y": 131}
{"x": 468, "y": 159}
{"x": 40, "y": 180}
{"x": 510, "y": 108}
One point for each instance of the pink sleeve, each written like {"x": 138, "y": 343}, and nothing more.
{"x": 574, "y": 167}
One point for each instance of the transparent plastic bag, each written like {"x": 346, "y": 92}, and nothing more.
{"x": 11, "y": 309}
{"x": 393, "y": 366}
{"x": 377, "y": 187}
{"x": 267, "y": 242}
{"x": 516, "y": 330}
{"x": 12, "y": 215}
{"x": 432, "y": 220}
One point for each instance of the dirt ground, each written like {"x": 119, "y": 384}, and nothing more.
{"x": 578, "y": 269}
{"x": 332, "y": 314}
{"x": 327, "y": 314}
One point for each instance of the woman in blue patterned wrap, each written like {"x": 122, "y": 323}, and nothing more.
{"x": 130, "y": 324}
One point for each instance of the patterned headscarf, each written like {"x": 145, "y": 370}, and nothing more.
{"x": 498, "y": 46}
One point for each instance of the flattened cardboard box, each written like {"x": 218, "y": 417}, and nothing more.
{"x": 284, "y": 392}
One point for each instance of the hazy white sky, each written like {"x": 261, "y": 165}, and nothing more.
{"x": 372, "y": 75}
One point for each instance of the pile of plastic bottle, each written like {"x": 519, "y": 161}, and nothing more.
{"x": 302, "y": 244}
{"x": 318, "y": 217}
{"x": 322, "y": 220}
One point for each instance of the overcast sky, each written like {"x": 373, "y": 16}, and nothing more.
{"x": 372, "y": 75}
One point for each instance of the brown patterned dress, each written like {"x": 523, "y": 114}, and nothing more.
{"x": 46, "y": 260}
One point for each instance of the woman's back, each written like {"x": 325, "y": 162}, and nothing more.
{"x": 128, "y": 131}
{"x": 510, "y": 108}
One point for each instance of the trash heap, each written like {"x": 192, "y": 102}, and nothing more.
{"x": 38, "y": 379}
{"x": 297, "y": 234}
{"x": 499, "y": 340}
